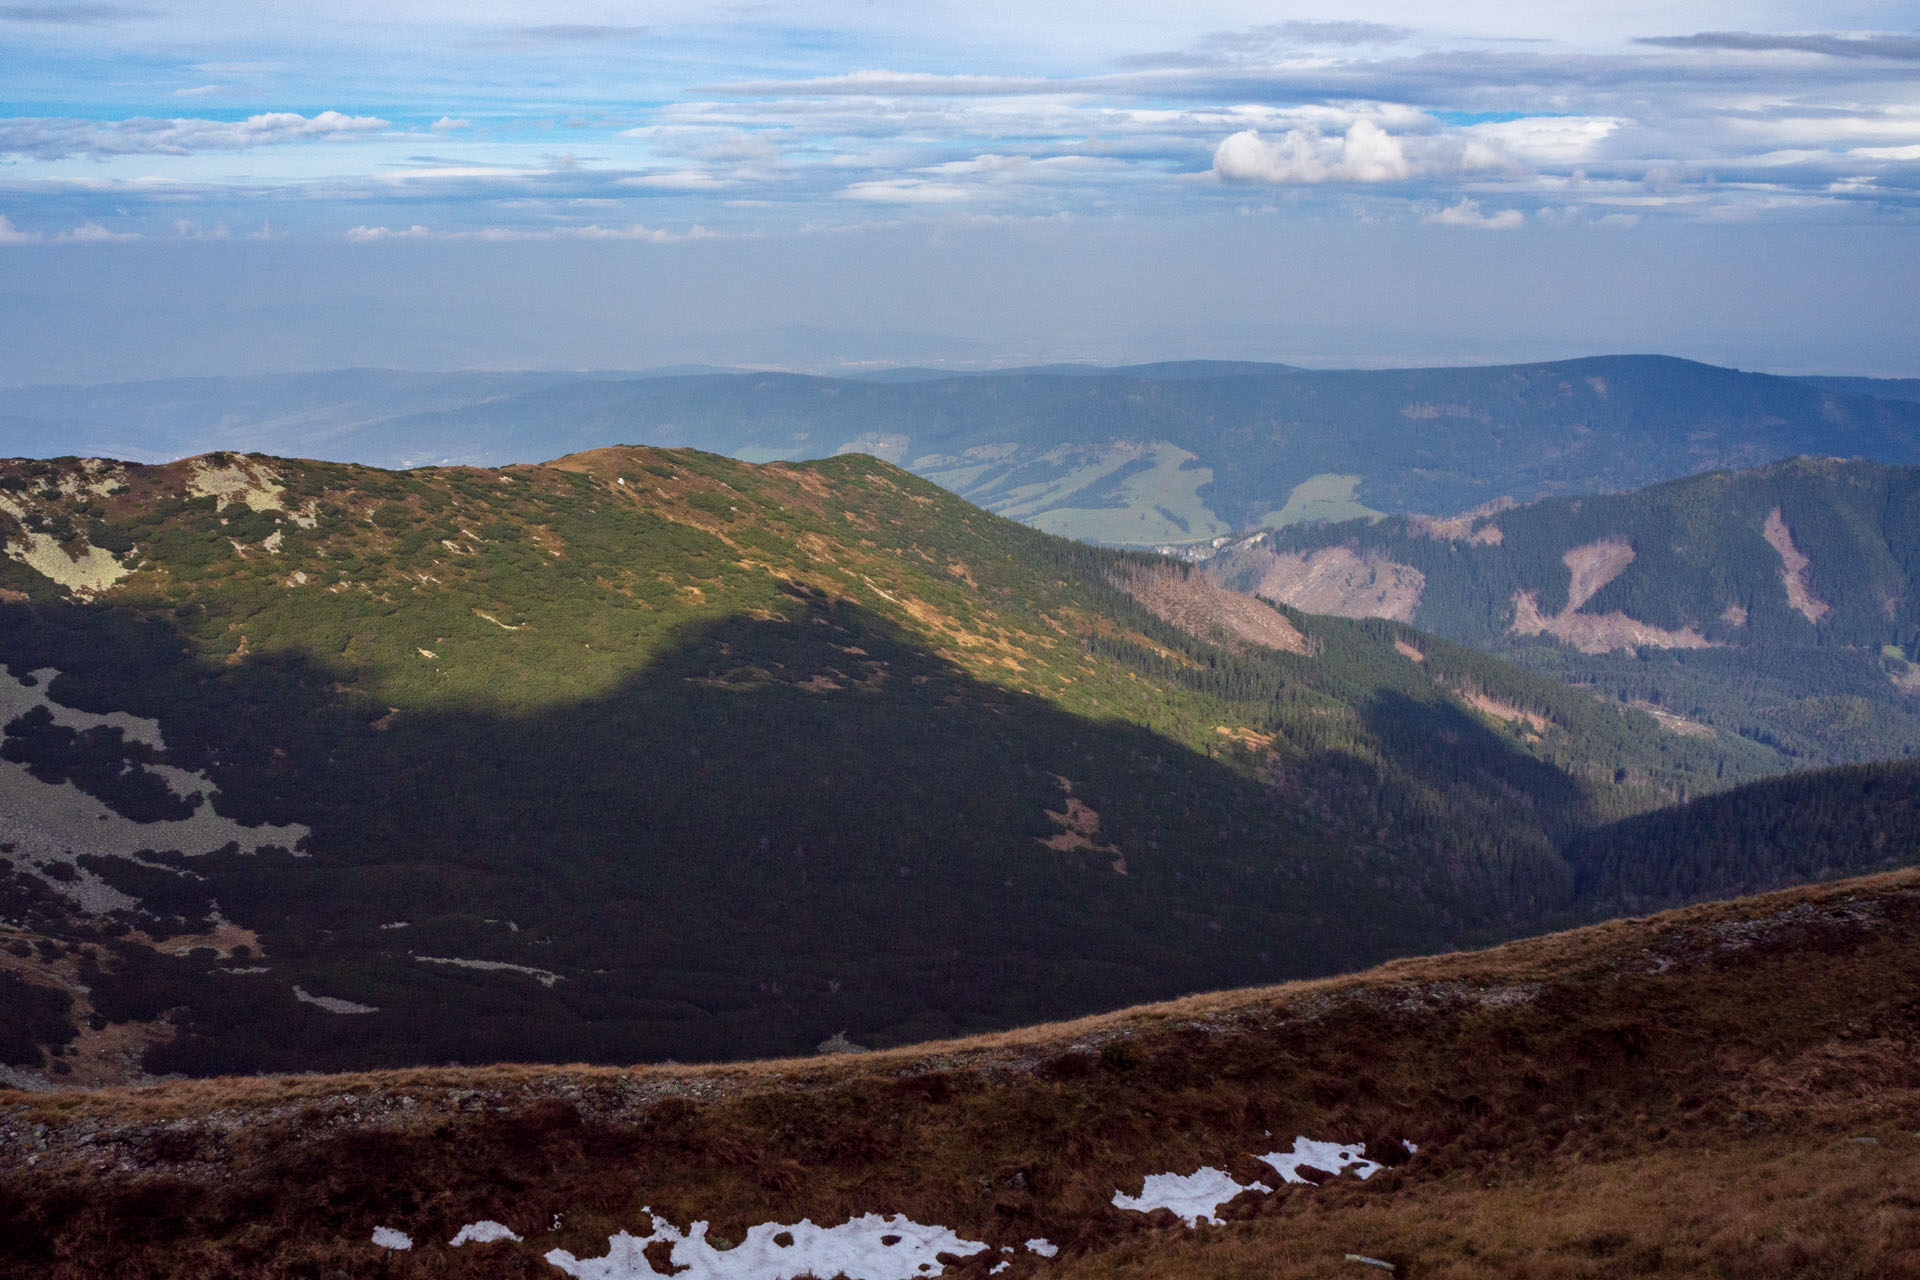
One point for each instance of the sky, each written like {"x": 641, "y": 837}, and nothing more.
{"x": 207, "y": 186}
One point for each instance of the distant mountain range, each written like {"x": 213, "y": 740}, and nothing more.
{"x": 1146, "y": 455}
{"x": 647, "y": 753}
{"x": 1780, "y": 602}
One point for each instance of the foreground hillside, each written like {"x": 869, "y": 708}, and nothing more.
{"x": 1720, "y": 1091}
{"x": 1781, "y": 603}
{"x": 645, "y": 754}
{"x": 1176, "y": 453}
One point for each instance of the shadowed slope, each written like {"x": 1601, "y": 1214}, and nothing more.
{"x": 1692, "y": 1094}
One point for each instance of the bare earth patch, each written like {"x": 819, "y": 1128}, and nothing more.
{"x": 1676, "y": 724}
{"x": 1079, "y": 824}
{"x": 1344, "y": 583}
{"x": 1592, "y": 567}
{"x": 1475, "y": 527}
{"x": 1499, "y": 709}
{"x": 1793, "y": 570}
{"x": 1199, "y": 607}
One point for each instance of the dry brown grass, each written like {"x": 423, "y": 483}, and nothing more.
{"x": 1674, "y": 1096}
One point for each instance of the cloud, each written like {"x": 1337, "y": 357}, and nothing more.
{"x": 1342, "y": 32}
{"x": 567, "y": 33}
{"x": 58, "y": 138}
{"x": 635, "y": 231}
{"x": 1546, "y": 141}
{"x": 986, "y": 175}
{"x": 1902, "y": 48}
{"x": 1266, "y": 42}
{"x": 1283, "y": 34}
{"x": 369, "y": 235}
{"x": 907, "y": 191}
{"x": 71, "y": 15}
{"x": 94, "y": 233}
{"x": 878, "y": 83}
{"x": 1467, "y": 214}
{"x": 85, "y": 233}
{"x": 447, "y": 124}
{"x": 1364, "y": 153}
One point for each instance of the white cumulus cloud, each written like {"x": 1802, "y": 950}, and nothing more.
{"x": 1467, "y": 214}
{"x": 1365, "y": 152}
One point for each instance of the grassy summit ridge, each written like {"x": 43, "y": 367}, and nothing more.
{"x": 649, "y": 753}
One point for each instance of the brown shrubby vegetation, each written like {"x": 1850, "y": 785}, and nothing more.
{"x": 1729, "y": 1090}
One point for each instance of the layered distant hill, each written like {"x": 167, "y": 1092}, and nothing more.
{"x": 642, "y": 754}
{"x": 1781, "y": 602}
{"x": 1174, "y": 453}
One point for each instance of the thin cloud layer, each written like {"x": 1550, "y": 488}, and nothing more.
{"x": 757, "y": 123}
{"x": 56, "y": 139}
{"x": 1904, "y": 48}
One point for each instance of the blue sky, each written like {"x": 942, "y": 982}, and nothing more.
{"x": 199, "y": 186}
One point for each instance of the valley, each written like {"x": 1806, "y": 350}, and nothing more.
{"x": 647, "y": 754}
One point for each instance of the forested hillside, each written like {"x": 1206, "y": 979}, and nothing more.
{"x": 643, "y": 754}
{"x": 1781, "y": 603}
{"x": 1812, "y": 826}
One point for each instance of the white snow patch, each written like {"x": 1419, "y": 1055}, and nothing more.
{"x": 486, "y": 1231}
{"x": 388, "y": 1238}
{"x": 1193, "y": 1197}
{"x": 545, "y": 977}
{"x": 857, "y": 1249}
{"x": 331, "y": 1004}
{"x": 1042, "y": 1246}
{"x": 1333, "y": 1157}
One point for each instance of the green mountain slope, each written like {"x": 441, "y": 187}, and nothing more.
{"x": 643, "y": 754}
{"x": 1813, "y": 826}
{"x": 1781, "y": 603}
{"x": 1176, "y": 453}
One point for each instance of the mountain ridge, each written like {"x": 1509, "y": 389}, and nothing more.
{"x": 726, "y": 705}
{"x": 1176, "y": 453}
{"x": 1778, "y": 602}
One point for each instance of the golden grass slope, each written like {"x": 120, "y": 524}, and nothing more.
{"x": 1727, "y": 1090}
